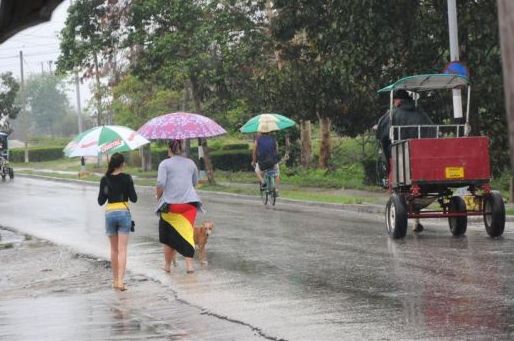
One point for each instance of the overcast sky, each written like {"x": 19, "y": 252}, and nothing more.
{"x": 40, "y": 46}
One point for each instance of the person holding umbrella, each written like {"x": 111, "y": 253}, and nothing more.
{"x": 117, "y": 188}
{"x": 265, "y": 156}
{"x": 265, "y": 152}
{"x": 177, "y": 205}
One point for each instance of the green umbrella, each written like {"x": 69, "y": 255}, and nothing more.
{"x": 264, "y": 123}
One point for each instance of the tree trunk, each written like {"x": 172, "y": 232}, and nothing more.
{"x": 506, "y": 29}
{"x": 208, "y": 164}
{"x": 324, "y": 148}
{"x": 511, "y": 190}
{"x": 207, "y": 159}
{"x": 306, "y": 144}
{"x": 146, "y": 158}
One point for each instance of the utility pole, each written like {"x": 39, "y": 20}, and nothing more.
{"x": 454, "y": 54}
{"x": 25, "y": 120}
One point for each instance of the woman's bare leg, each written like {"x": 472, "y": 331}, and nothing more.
{"x": 122, "y": 257}
{"x": 169, "y": 255}
{"x": 114, "y": 258}
{"x": 189, "y": 265}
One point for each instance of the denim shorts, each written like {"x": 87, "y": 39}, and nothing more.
{"x": 117, "y": 222}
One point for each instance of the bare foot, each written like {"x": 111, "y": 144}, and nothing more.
{"x": 167, "y": 268}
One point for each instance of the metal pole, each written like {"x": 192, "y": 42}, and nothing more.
{"x": 23, "y": 111}
{"x": 454, "y": 53}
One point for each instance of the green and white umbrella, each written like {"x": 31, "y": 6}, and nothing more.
{"x": 264, "y": 123}
{"x": 105, "y": 139}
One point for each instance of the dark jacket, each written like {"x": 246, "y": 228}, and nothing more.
{"x": 404, "y": 115}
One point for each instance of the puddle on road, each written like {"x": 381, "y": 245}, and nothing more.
{"x": 51, "y": 293}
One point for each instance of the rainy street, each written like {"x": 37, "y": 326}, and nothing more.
{"x": 293, "y": 272}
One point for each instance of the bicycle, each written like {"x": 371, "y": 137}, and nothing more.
{"x": 269, "y": 192}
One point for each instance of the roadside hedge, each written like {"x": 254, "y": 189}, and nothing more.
{"x": 36, "y": 154}
{"x": 232, "y": 157}
{"x": 232, "y": 160}
{"x": 228, "y": 158}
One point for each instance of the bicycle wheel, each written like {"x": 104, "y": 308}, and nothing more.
{"x": 264, "y": 195}
{"x": 272, "y": 191}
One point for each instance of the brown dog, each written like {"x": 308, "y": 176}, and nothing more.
{"x": 201, "y": 235}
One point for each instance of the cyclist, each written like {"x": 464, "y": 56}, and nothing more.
{"x": 265, "y": 157}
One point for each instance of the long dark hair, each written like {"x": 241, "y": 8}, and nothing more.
{"x": 116, "y": 161}
{"x": 175, "y": 146}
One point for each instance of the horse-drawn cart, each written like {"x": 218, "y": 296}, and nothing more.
{"x": 433, "y": 166}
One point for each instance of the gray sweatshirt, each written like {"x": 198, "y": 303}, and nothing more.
{"x": 177, "y": 176}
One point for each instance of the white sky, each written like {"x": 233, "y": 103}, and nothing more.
{"x": 40, "y": 46}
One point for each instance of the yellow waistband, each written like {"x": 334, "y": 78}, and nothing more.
{"x": 112, "y": 206}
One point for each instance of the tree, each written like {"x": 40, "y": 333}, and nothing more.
{"x": 9, "y": 88}
{"x": 90, "y": 42}
{"x": 206, "y": 49}
{"x": 136, "y": 101}
{"x": 49, "y": 106}
{"x": 506, "y": 23}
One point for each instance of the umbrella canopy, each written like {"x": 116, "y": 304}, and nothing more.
{"x": 104, "y": 139}
{"x": 180, "y": 125}
{"x": 264, "y": 123}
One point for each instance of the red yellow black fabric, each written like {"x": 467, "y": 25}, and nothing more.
{"x": 176, "y": 228}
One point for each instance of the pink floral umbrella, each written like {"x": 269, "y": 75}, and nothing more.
{"x": 180, "y": 125}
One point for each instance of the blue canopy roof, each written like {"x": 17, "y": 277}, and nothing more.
{"x": 428, "y": 82}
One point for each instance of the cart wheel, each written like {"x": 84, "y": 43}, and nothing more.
{"x": 458, "y": 225}
{"x": 11, "y": 173}
{"x": 396, "y": 217}
{"x": 494, "y": 215}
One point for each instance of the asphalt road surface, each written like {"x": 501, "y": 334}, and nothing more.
{"x": 295, "y": 272}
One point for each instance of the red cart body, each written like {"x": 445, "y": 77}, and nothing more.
{"x": 450, "y": 161}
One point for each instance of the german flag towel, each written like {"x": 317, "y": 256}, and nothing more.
{"x": 176, "y": 228}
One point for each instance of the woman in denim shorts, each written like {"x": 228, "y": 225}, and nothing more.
{"x": 117, "y": 188}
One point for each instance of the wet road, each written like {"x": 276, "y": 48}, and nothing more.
{"x": 298, "y": 272}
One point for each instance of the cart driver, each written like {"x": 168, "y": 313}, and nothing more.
{"x": 405, "y": 113}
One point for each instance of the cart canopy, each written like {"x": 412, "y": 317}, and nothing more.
{"x": 427, "y": 82}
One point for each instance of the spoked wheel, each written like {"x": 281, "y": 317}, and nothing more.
{"x": 273, "y": 195}
{"x": 494, "y": 214}
{"x": 458, "y": 225}
{"x": 396, "y": 217}
{"x": 264, "y": 195}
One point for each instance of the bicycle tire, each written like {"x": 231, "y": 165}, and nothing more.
{"x": 264, "y": 195}
{"x": 270, "y": 180}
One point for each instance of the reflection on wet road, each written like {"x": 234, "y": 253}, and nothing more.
{"x": 298, "y": 272}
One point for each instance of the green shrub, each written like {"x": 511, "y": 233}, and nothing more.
{"x": 235, "y": 146}
{"x": 232, "y": 160}
{"x": 36, "y": 154}
{"x": 350, "y": 176}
